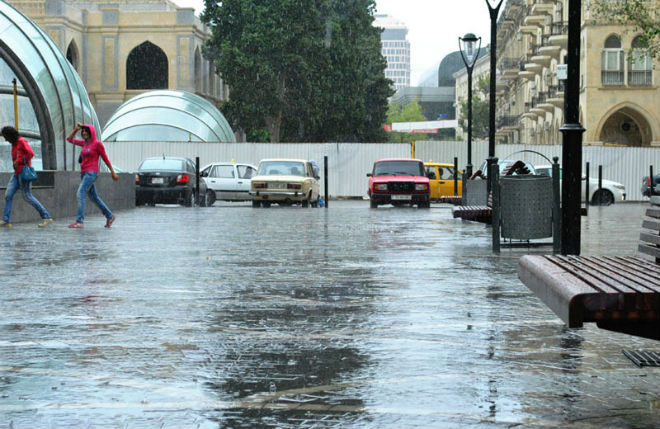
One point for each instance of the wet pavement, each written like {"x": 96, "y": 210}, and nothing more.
{"x": 233, "y": 317}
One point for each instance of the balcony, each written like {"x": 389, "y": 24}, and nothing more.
{"x": 556, "y": 95}
{"x": 509, "y": 68}
{"x": 559, "y": 35}
{"x": 508, "y": 123}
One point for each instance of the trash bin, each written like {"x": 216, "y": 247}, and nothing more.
{"x": 526, "y": 207}
{"x": 476, "y": 193}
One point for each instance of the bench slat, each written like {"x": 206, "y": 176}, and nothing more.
{"x": 651, "y": 224}
{"x": 649, "y": 250}
{"x": 653, "y": 212}
{"x": 649, "y": 238}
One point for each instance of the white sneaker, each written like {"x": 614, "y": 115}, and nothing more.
{"x": 4, "y": 224}
{"x": 45, "y": 222}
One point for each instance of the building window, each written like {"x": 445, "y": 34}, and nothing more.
{"x": 613, "y": 62}
{"x": 640, "y": 66}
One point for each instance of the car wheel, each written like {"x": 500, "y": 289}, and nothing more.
{"x": 602, "y": 197}
{"x": 209, "y": 198}
{"x": 373, "y": 204}
{"x": 256, "y": 203}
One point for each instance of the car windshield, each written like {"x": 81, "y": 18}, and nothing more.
{"x": 395, "y": 168}
{"x": 162, "y": 164}
{"x": 293, "y": 168}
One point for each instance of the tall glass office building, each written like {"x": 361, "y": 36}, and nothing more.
{"x": 51, "y": 96}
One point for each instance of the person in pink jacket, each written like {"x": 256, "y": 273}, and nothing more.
{"x": 91, "y": 150}
{"x": 21, "y": 155}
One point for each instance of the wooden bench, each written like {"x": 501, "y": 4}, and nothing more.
{"x": 620, "y": 294}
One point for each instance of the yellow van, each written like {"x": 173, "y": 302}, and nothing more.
{"x": 441, "y": 179}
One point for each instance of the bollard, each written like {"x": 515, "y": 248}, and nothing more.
{"x": 556, "y": 210}
{"x": 197, "y": 181}
{"x": 325, "y": 180}
{"x": 494, "y": 173}
{"x": 455, "y": 176}
{"x": 650, "y": 181}
{"x": 586, "y": 192}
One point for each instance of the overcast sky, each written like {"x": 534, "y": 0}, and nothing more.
{"x": 433, "y": 26}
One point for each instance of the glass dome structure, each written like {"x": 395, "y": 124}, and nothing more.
{"x": 168, "y": 115}
{"x": 51, "y": 96}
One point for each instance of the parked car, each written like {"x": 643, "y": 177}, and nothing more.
{"x": 611, "y": 191}
{"x": 441, "y": 179}
{"x": 647, "y": 189}
{"x": 503, "y": 164}
{"x": 399, "y": 181}
{"x": 285, "y": 182}
{"x": 167, "y": 180}
{"x": 227, "y": 181}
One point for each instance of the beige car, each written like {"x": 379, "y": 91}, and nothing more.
{"x": 285, "y": 182}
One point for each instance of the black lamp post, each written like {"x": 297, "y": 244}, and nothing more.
{"x": 470, "y": 47}
{"x": 572, "y": 138}
{"x": 494, "y": 10}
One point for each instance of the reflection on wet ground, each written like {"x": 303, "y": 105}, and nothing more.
{"x": 231, "y": 316}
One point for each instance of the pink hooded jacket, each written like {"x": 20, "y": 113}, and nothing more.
{"x": 91, "y": 150}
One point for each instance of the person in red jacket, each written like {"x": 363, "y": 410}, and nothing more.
{"x": 91, "y": 150}
{"x": 21, "y": 155}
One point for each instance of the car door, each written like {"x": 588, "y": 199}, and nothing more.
{"x": 446, "y": 181}
{"x": 222, "y": 179}
{"x": 244, "y": 181}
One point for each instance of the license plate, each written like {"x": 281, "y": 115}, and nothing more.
{"x": 401, "y": 197}
{"x": 157, "y": 181}
{"x": 277, "y": 186}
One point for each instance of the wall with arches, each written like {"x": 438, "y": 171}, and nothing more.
{"x": 122, "y": 49}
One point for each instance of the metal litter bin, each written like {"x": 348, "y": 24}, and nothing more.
{"x": 476, "y": 193}
{"x": 526, "y": 207}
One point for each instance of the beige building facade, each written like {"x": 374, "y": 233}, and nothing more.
{"x": 619, "y": 82}
{"x": 122, "y": 48}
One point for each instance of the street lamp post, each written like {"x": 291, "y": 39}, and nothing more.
{"x": 470, "y": 47}
{"x": 494, "y": 10}
{"x": 572, "y": 138}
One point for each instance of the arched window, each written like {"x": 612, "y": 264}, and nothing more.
{"x": 146, "y": 68}
{"x": 612, "y": 67}
{"x": 640, "y": 66}
{"x": 72, "y": 55}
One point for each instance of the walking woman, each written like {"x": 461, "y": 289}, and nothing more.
{"x": 91, "y": 150}
{"x": 21, "y": 155}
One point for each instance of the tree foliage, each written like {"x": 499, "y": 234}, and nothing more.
{"x": 411, "y": 112}
{"x": 480, "y": 109}
{"x": 641, "y": 16}
{"x": 304, "y": 70}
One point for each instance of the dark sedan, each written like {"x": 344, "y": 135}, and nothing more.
{"x": 166, "y": 180}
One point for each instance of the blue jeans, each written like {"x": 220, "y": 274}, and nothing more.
{"x": 12, "y": 187}
{"x": 87, "y": 188}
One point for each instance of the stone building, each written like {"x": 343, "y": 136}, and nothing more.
{"x": 619, "y": 83}
{"x": 122, "y": 48}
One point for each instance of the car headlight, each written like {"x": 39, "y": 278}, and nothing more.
{"x": 421, "y": 186}
{"x": 380, "y": 186}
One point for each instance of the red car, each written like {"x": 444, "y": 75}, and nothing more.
{"x": 399, "y": 181}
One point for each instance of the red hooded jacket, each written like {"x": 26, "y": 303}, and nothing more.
{"x": 91, "y": 150}
{"x": 19, "y": 151}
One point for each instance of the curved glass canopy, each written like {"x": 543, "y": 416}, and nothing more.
{"x": 168, "y": 115}
{"x": 51, "y": 96}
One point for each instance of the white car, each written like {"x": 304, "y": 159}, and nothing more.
{"x": 228, "y": 181}
{"x": 609, "y": 194}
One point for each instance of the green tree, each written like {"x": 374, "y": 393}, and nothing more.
{"x": 304, "y": 70}
{"x": 640, "y": 16}
{"x": 411, "y": 112}
{"x": 480, "y": 109}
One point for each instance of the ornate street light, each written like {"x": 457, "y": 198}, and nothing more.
{"x": 494, "y": 10}
{"x": 470, "y": 47}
